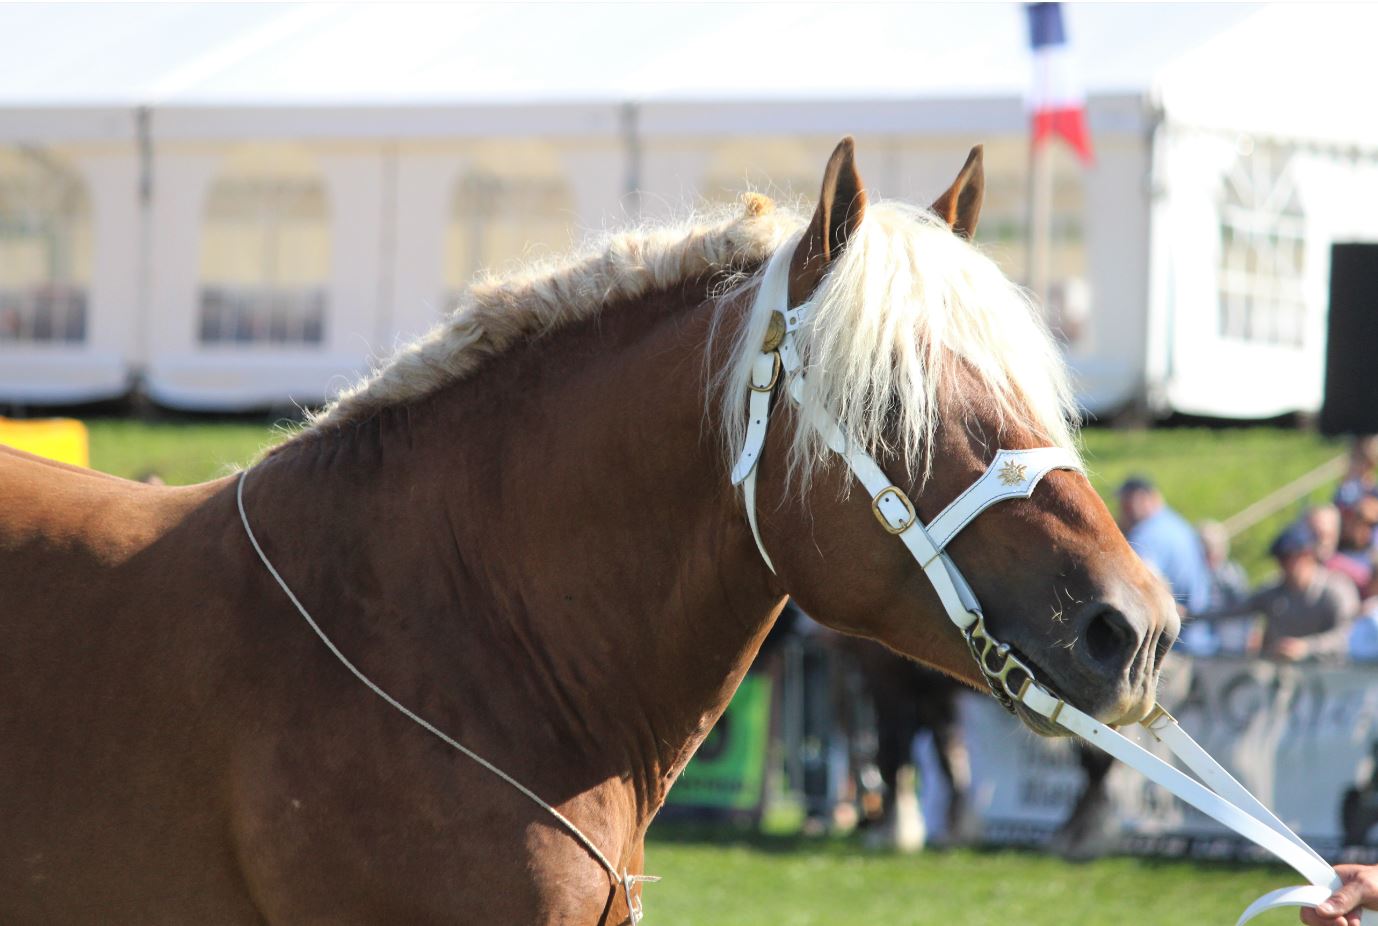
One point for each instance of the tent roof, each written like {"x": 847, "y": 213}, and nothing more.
{"x": 1300, "y": 70}
{"x": 1214, "y": 62}
{"x": 257, "y": 55}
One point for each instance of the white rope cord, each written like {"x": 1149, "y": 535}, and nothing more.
{"x": 625, "y": 880}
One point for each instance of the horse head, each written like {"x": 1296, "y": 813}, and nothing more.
{"x": 880, "y": 332}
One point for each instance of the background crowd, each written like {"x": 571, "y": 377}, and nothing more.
{"x": 1323, "y": 603}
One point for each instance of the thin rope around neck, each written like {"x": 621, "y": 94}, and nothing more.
{"x": 624, "y": 879}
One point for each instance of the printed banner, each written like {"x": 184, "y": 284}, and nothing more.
{"x": 1303, "y": 738}
{"x": 728, "y": 771}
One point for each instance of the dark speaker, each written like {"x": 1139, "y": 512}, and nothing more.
{"x": 1351, "y": 352}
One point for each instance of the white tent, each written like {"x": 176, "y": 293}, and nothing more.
{"x": 392, "y": 104}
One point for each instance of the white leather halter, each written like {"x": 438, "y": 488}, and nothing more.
{"x": 1011, "y": 474}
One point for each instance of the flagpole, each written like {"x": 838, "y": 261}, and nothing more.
{"x": 1057, "y": 110}
{"x": 1040, "y": 219}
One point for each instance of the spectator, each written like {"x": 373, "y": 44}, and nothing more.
{"x": 1229, "y": 582}
{"x": 1363, "y": 639}
{"x": 1361, "y": 480}
{"x": 1309, "y": 610}
{"x": 1166, "y": 541}
{"x": 1324, "y": 523}
{"x": 1357, "y": 546}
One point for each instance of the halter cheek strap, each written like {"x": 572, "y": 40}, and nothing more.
{"x": 1011, "y": 474}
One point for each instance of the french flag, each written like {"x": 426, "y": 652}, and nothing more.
{"x": 1056, "y": 97}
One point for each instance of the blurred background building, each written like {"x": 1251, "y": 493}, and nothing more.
{"x": 237, "y": 206}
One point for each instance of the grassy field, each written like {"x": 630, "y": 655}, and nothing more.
{"x": 179, "y": 452}
{"x": 1213, "y": 474}
{"x": 739, "y": 879}
{"x": 751, "y": 880}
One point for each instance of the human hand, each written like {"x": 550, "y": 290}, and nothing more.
{"x": 1289, "y": 648}
{"x": 1360, "y": 889}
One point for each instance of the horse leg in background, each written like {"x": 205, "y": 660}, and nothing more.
{"x": 857, "y": 709}
{"x": 818, "y": 733}
{"x": 902, "y": 825}
{"x": 1091, "y": 829}
{"x": 849, "y": 759}
{"x": 963, "y": 824}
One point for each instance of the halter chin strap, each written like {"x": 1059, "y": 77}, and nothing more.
{"x": 1011, "y": 474}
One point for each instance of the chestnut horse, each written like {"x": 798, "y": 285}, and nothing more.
{"x": 522, "y": 529}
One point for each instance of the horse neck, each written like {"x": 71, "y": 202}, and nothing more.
{"x": 564, "y": 519}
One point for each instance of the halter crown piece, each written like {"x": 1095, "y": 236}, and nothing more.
{"x": 1011, "y": 474}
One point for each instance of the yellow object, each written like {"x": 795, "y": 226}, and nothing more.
{"x": 61, "y": 439}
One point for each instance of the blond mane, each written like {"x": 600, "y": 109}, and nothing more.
{"x": 499, "y": 313}
{"x": 905, "y": 306}
{"x": 904, "y": 309}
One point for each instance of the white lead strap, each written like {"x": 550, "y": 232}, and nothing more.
{"x": 1012, "y": 474}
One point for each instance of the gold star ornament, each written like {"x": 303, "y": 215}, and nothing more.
{"x": 1012, "y": 473}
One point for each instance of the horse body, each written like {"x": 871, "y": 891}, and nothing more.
{"x": 541, "y": 556}
{"x": 592, "y": 689}
{"x": 108, "y": 623}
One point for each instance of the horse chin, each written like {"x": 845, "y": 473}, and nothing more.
{"x": 1039, "y": 724}
{"x": 1044, "y": 727}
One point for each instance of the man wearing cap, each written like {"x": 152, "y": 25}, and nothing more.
{"x": 1168, "y": 543}
{"x": 1309, "y": 609}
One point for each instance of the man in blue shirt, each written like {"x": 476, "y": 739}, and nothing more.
{"x": 1168, "y": 543}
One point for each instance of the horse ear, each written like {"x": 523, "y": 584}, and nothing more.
{"x": 841, "y": 205}
{"x": 960, "y": 206}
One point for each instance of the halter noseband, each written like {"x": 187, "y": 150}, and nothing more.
{"x": 1011, "y": 474}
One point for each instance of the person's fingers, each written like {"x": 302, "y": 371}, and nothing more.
{"x": 1310, "y": 917}
{"x": 1349, "y": 896}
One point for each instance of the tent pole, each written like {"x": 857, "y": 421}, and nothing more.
{"x": 1040, "y": 221}
{"x": 631, "y": 140}
{"x": 143, "y": 127}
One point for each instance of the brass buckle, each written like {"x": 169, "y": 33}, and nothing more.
{"x": 775, "y": 331}
{"x": 774, "y": 377}
{"x": 904, "y": 500}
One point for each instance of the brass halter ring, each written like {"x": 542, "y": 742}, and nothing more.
{"x": 998, "y": 676}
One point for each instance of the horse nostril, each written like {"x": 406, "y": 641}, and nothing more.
{"x": 1111, "y": 640}
{"x": 1160, "y": 648}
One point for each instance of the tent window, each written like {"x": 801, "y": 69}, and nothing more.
{"x": 45, "y": 249}
{"x": 265, "y": 255}
{"x": 500, "y": 221}
{"x": 1262, "y": 250}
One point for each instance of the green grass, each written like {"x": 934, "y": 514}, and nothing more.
{"x": 180, "y": 452}
{"x": 736, "y": 879}
{"x": 1207, "y": 473}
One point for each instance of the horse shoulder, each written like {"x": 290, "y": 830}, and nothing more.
{"x": 54, "y": 511}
